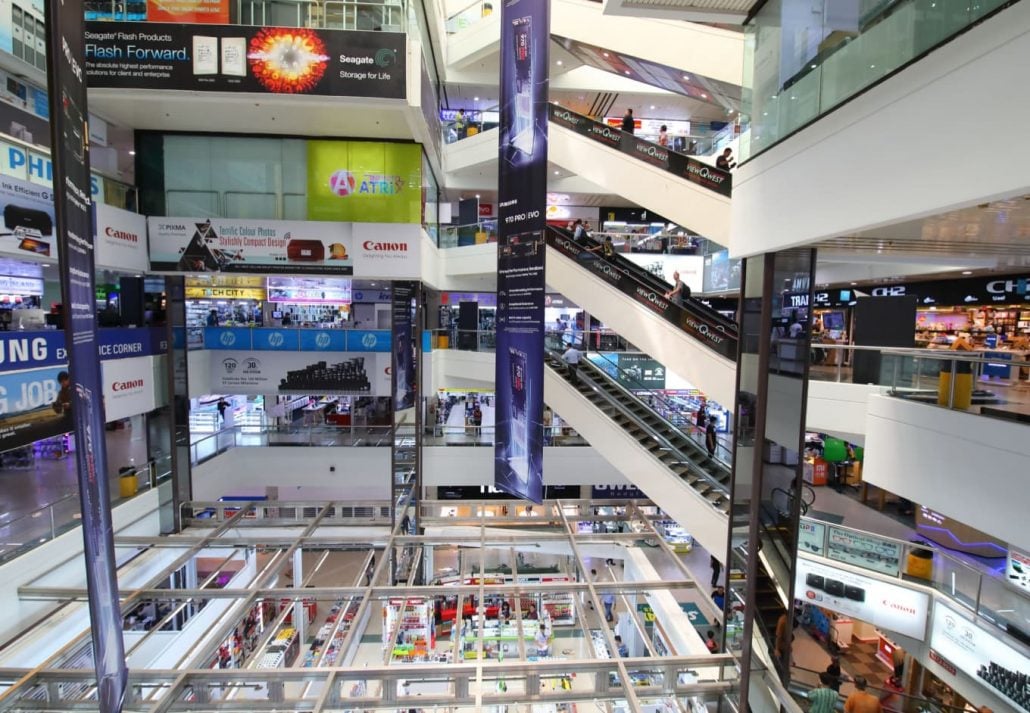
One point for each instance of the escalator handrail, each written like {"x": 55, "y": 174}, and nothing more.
{"x": 717, "y": 334}
{"x": 627, "y": 377}
{"x": 660, "y": 437}
{"x": 689, "y": 168}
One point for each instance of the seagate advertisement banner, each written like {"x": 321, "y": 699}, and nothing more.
{"x": 405, "y": 304}
{"x": 699, "y": 172}
{"x": 235, "y": 58}
{"x": 702, "y": 327}
{"x": 522, "y": 193}
{"x": 82, "y": 396}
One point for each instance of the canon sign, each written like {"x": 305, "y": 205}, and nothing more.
{"x": 134, "y": 385}
{"x": 121, "y": 235}
{"x": 372, "y": 246}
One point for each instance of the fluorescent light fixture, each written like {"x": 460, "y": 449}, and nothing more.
{"x": 967, "y": 272}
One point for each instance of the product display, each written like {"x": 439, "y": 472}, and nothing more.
{"x": 346, "y": 376}
{"x": 1013, "y": 684}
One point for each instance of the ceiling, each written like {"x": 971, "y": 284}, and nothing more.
{"x": 713, "y": 11}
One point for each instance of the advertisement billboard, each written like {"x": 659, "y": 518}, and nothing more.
{"x": 29, "y": 221}
{"x": 405, "y": 346}
{"x": 364, "y": 181}
{"x": 237, "y": 58}
{"x": 121, "y": 239}
{"x": 884, "y": 605}
{"x": 866, "y": 551}
{"x": 132, "y": 386}
{"x": 720, "y": 273}
{"x": 273, "y": 372}
{"x": 522, "y": 204}
{"x": 27, "y": 407}
{"x": 980, "y": 654}
{"x": 215, "y": 12}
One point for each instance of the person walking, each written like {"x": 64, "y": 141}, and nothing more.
{"x": 621, "y": 647}
{"x": 716, "y": 566}
{"x": 710, "y": 643}
{"x": 719, "y": 598}
{"x": 460, "y": 124}
{"x": 222, "y": 406}
{"x": 607, "y": 249}
{"x": 679, "y": 293}
{"x": 726, "y": 160}
{"x": 663, "y": 136}
{"x": 629, "y": 124}
{"x": 711, "y": 438}
{"x": 822, "y": 699}
{"x": 860, "y": 701}
{"x": 608, "y": 600}
{"x": 571, "y": 358}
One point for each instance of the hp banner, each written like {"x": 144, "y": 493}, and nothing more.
{"x": 81, "y": 395}
{"x": 522, "y": 182}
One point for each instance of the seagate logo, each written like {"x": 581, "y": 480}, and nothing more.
{"x": 322, "y": 340}
{"x": 369, "y": 341}
{"x": 276, "y": 339}
{"x": 227, "y": 339}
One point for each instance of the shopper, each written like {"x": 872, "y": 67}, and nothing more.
{"x": 629, "y": 124}
{"x": 63, "y": 403}
{"x": 833, "y": 671}
{"x": 711, "y": 438}
{"x": 663, "y": 136}
{"x": 212, "y": 318}
{"x": 593, "y": 578}
{"x": 726, "y": 160}
{"x": 460, "y": 124}
{"x": 823, "y": 698}
{"x": 222, "y": 406}
{"x": 679, "y": 293}
{"x": 719, "y": 598}
{"x": 477, "y": 420}
{"x": 710, "y": 643}
{"x": 542, "y": 648}
{"x": 621, "y": 647}
{"x": 571, "y": 358}
{"x": 716, "y": 566}
{"x": 898, "y": 660}
{"x": 608, "y": 600}
{"x": 860, "y": 701}
{"x": 607, "y": 249}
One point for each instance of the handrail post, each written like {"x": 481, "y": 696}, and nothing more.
{"x": 840, "y": 365}
{"x": 53, "y": 524}
{"x": 951, "y": 386}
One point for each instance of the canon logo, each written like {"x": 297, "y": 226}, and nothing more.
{"x": 121, "y": 235}
{"x": 898, "y": 606}
{"x": 373, "y": 246}
{"x": 127, "y": 385}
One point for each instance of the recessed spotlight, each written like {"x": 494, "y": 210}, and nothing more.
{"x": 557, "y": 173}
{"x": 652, "y": 106}
{"x": 605, "y": 54}
{"x": 132, "y": 152}
{"x": 704, "y": 96}
{"x": 731, "y": 111}
{"x": 559, "y": 63}
{"x": 686, "y": 77}
{"x": 475, "y": 99}
{"x": 814, "y": 66}
{"x": 477, "y": 196}
{"x": 872, "y": 66}
{"x": 627, "y": 71}
{"x": 853, "y": 284}
{"x": 967, "y": 272}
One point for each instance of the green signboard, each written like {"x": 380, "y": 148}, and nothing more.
{"x": 364, "y": 182}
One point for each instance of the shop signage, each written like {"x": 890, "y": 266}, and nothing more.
{"x": 521, "y": 223}
{"x": 28, "y": 212}
{"x": 636, "y": 372}
{"x": 692, "y": 611}
{"x": 292, "y": 339}
{"x": 309, "y": 290}
{"x": 31, "y": 350}
{"x": 716, "y": 335}
{"x": 1017, "y": 568}
{"x": 366, "y": 182}
{"x": 882, "y": 604}
{"x": 133, "y": 386}
{"x": 238, "y": 58}
{"x": 226, "y": 293}
{"x": 10, "y": 285}
{"x": 36, "y": 167}
{"x": 865, "y": 551}
{"x": 812, "y": 537}
{"x": 487, "y": 492}
{"x": 976, "y": 652}
{"x": 971, "y": 292}
{"x": 943, "y": 662}
{"x": 834, "y": 298}
{"x": 121, "y": 239}
{"x": 253, "y": 373}
{"x": 690, "y": 267}
{"x": 27, "y": 413}
{"x": 694, "y": 171}
{"x": 282, "y": 246}
{"x": 720, "y": 273}
{"x": 214, "y": 12}
{"x": 616, "y": 492}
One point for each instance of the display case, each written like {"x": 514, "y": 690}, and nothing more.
{"x": 282, "y": 650}
{"x": 408, "y": 628}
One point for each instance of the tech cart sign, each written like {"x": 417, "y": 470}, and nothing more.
{"x": 235, "y": 58}
{"x": 885, "y": 605}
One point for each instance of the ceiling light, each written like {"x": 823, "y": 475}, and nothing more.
{"x": 627, "y": 71}
{"x": 475, "y": 99}
{"x": 814, "y": 66}
{"x": 652, "y": 106}
{"x": 686, "y": 77}
{"x": 559, "y": 63}
{"x": 477, "y": 196}
{"x": 557, "y": 173}
{"x": 605, "y": 54}
{"x": 731, "y": 111}
{"x": 132, "y": 152}
{"x": 967, "y": 272}
{"x": 704, "y": 96}
{"x": 853, "y": 284}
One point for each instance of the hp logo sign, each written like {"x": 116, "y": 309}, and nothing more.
{"x": 369, "y": 341}
{"x": 322, "y": 340}
{"x": 275, "y": 339}
{"x": 227, "y": 339}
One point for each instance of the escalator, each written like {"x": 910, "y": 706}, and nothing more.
{"x": 671, "y": 466}
{"x": 693, "y": 340}
{"x": 683, "y": 189}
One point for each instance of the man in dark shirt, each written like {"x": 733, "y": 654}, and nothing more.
{"x": 725, "y": 161}
{"x": 628, "y": 124}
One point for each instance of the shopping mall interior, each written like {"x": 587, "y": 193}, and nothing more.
{"x": 521, "y": 356}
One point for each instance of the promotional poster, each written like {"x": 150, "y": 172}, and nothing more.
{"x": 699, "y": 172}
{"x": 364, "y": 181}
{"x": 702, "y": 326}
{"x": 27, "y": 407}
{"x": 237, "y": 58}
{"x": 82, "y": 395}
{"x": 28, "y": 214}
{"x": 215, "y": 12}
{"x": 277, "y": 339}
{"x": 340, "y": 374}
{"x": 405, "y": 346}
{"x": 295, "y": 247}
{"x": 522, "y": 183}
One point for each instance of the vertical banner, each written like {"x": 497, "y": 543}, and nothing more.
{"x": 522, "y": 183}
{"x": 82, "y": 393}
{"x": 405, "y": 296}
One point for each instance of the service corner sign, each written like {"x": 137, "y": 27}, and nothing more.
{"x": 235, "y": 58}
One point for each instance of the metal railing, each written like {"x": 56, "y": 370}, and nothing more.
{"x": 311, "y": 434}
{"x": 453, "y": 236}
{"x": 950, "y": 379}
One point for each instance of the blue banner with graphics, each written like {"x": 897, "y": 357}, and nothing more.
{"x": 323, "y": 340}
{"x": 32, "y": 350}
{"x": 27, "y": 411}
{"x": 522, "y": 184}
{"x": 292, "y": 340}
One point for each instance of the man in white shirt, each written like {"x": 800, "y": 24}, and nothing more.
{"x": 572, "y": 357}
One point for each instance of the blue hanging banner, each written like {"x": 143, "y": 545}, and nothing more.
{"x": 404, "y": 346}
{"x": 522, "y": 196}
{"x": 81, "y": 395}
